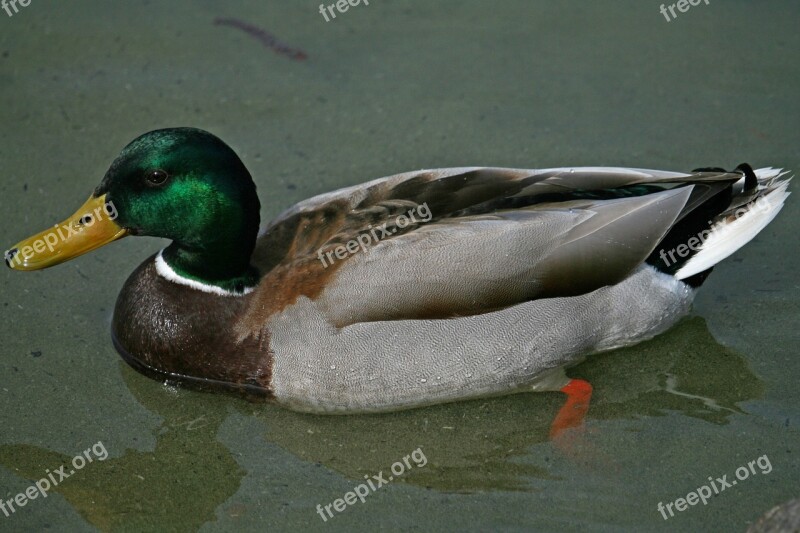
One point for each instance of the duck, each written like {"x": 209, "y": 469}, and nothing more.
{"x": 410, "y": 290}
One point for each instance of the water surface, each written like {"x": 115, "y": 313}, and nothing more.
{"x": 390, "y": 87}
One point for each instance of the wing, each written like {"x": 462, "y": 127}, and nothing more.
{"x": 471, "y": 240}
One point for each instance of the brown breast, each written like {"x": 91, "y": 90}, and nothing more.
{"x": 172, "y": 332}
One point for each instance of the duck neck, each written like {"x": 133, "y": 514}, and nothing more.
{"x": 221, "y": 267}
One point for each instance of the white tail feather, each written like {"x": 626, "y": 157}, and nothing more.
{"x": 729, "y": 236}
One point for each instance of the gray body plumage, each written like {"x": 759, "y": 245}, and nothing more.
{"x": 387, "y": 365}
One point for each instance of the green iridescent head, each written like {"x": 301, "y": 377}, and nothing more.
{"x": 182, "y": 184}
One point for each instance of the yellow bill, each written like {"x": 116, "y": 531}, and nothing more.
{"x": 92, "y": 226}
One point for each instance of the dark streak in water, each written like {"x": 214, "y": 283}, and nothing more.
{"x": 266, "y": 38}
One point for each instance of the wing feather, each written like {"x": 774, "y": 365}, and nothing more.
{"x": 496, "y": 237}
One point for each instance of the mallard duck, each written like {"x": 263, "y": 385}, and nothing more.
{"x": 414, "y": 289}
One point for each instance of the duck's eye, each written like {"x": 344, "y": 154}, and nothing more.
{"x": 156, "y": 177}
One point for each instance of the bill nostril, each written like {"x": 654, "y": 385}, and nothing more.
{"x": 10, "y": 255}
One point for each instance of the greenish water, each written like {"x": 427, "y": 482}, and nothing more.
{"x": 390, "y": 87}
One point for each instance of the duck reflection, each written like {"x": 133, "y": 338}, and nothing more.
{"x": 470, "y": 446}
{"x": 175, "y": 487}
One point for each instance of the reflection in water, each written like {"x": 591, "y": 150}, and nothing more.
{"x": 175, "y": 487}
{"x": 685, "y": 370}
{"x": 470, "y": 446}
